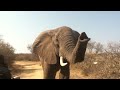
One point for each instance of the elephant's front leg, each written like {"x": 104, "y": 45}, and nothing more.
{"x": 49, "y": 71}
{"x": 64, "y": 72}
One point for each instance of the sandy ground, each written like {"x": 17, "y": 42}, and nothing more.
{"x": 29, "y": 70}
{"x": 33, "y": 70}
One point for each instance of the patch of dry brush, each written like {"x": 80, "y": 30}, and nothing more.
{"x": 104, "y": 69}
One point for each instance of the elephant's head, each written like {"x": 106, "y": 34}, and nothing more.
{"x": 61, "y": 43}
{"x": 72, "y": 45}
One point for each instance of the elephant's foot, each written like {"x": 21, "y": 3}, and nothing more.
{"x": 62, "y": 76}
{"x": 64, "y": 72}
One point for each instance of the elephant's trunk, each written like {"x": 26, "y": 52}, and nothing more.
{"x": 79, "y": 50}
{"x": 73, "y": 56}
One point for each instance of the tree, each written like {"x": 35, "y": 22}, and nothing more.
{"x": 98, "y": 48}
{"x": 94, "y": 47}
{"x": 90, "y": 46}
{"x": 113, "y": 49}
{"x": 7, "y": 50}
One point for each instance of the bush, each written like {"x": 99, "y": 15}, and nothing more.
{"x": 103, "y": 69}
{"x": 103, "y": 65}
{"x": 8, "y": 51}
{"x": 22, "y": 56}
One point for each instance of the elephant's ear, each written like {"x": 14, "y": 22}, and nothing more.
{"x": 46, "y": 49}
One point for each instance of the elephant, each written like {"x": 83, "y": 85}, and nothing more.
{"x": 57, "y": 49}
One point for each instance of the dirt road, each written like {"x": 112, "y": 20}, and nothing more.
{"x": 29, "y": 70}
{"x": 33, "y": 70}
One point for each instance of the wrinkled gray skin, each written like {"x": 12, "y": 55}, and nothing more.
{"x": 62, "y": 41}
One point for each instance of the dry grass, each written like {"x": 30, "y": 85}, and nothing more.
{"x": 104, "y": 69}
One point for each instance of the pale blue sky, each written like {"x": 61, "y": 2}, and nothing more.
{"x": 20, "y": 28}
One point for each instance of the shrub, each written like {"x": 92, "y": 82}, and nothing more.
{"x": 8, "y": 51}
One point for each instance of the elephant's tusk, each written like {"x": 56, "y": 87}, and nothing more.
{"x": 61, "y": 62}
